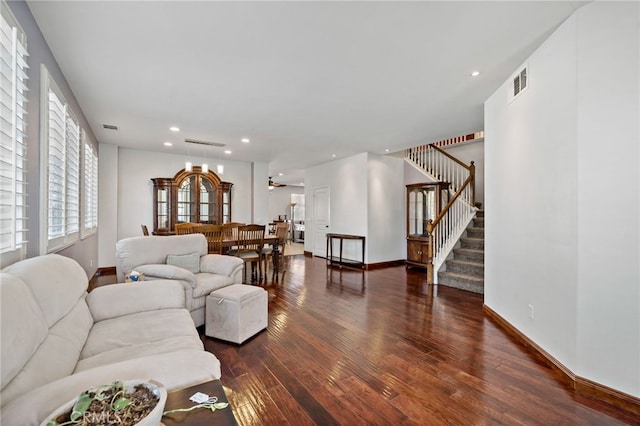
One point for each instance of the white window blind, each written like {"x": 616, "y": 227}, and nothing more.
{"x": 61, "y": 151}
{"x": 72, "y": 176}
{"x": 90, "y": 191}
{"x": 13, "y": 103}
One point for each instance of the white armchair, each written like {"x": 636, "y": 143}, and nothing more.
{"x": 183, "y": 258}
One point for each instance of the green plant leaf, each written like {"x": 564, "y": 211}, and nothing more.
{"x": 80, "y": 407}
{"x": 52, "y": 423}
{"x": 220, "y": 405}
{"x": 120, "y": 404}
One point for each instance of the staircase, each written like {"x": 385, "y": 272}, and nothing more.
{"x": 466, "y": 270}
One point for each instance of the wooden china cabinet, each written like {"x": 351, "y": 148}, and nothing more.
{"x": 424, "y": 203}
{"x": 190, "y": 197}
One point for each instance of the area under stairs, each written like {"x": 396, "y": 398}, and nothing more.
{"x": 466, "y": 269}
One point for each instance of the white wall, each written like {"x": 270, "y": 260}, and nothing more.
{"x": 108, "y": 190}
{"x": 560, "y": 159}
{"x": 260, "y": 193}
{"x": 386, "y": 209}
{"x": 279, "y": 200}
{"x": 413, "y": 175}
{"x": 347, "y": 182}
{"x": 352, "y": 209}
{"x": 608, "y": 47}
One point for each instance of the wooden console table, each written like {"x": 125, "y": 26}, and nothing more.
{"x": 339, "y": 260}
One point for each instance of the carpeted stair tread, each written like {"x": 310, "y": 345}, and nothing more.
{"x": 474, "y": 232}
{"x": 469, "y": 254}
{"x": 467, "y": 267}
{"x": 472, "y": 243}
{"x": 461, "y": 281}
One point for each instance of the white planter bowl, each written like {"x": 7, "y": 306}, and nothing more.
{"x": 152, "y": 419}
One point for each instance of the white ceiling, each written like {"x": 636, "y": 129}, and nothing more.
{"x": 302, "y": 80}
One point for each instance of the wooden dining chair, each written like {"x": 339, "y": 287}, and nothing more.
{"x": 267, "y": 252}
{"x": 230, "y": 231}
{"x": 214, "y": 235}
{"x": 183, "y": 228}
{"x": 145, "y": 230}
{"x": 250, "y": 244}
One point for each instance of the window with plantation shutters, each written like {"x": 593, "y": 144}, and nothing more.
{"x": 61, "y": 151}
{"x": 90, "y": 189}
{"x": 13, "y": 103}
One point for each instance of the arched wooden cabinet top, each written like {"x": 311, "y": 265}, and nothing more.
{"x": 190, "y": 196}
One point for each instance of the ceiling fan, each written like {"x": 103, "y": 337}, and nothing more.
{"x": 273, "y": 184}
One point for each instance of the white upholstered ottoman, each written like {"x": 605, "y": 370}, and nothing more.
{"x": 236, "y": 312}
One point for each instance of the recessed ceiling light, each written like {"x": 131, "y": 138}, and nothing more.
{"x": 228, "y": 151}
{"x": 280, "y": 174}
{"x": 168, "y": 144}
{"x": 386, "y": 150}
{"x": 334, "y": 156}
{"x": 245, "y": 140}
{"x": 174, "y": 129}
{"x": 475, "y": 73}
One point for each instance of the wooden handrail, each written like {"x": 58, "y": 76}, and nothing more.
{"x": 446, "y": 208}
{"x": 451, "y": 157}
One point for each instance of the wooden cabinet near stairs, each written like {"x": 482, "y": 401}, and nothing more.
{"x": 425, "y": 201}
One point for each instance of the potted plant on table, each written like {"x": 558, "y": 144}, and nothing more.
{"x": 134, "y": 402}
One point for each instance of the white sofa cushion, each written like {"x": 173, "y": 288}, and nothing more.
{"x": 112, "y": 301}
{"x": 142, "y": 327}
{"x": 28, "y": 327}
{"x": 170, "y": 272}
{"x": 47, "y": 277}
{"x": 190, "y": 262}
{"x": 206, "y": 283}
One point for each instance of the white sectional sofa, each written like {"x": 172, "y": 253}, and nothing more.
{"x": 200, "y": 273}
{"x": 57, "y": 340}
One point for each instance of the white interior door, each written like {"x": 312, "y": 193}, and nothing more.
{"x": 321, "y": 220}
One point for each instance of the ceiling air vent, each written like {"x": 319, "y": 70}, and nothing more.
{"x": 203, "y": 142}
{"x": 110, "y": 127}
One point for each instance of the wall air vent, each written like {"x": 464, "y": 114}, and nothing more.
{"x": 110, "y": 127}
{"x": 204, "y": 142}
{"x": 520, "y": 82}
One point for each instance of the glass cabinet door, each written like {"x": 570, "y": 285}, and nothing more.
{"x": 186, "y": 199}
{"x": 421, "y": 209}
{"x": 163, "y": 208}
{"x": 207, "y": 201}
{"x": 226, "y": 202}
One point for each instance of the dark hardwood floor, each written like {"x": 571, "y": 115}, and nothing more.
{"x": 382, "y": 347}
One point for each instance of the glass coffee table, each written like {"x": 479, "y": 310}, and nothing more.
{"x": 199, "y": 416}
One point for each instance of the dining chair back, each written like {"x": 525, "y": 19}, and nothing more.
{"x": 267, "y": 252}
{"x": 185, "y": 227}
{"x": 214, "y": 235}
{"x": 250, "y": 243}
{"x": 281, "y": 232}
{"x": 145, "y": 230}
{"x": 231, "y": 230}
